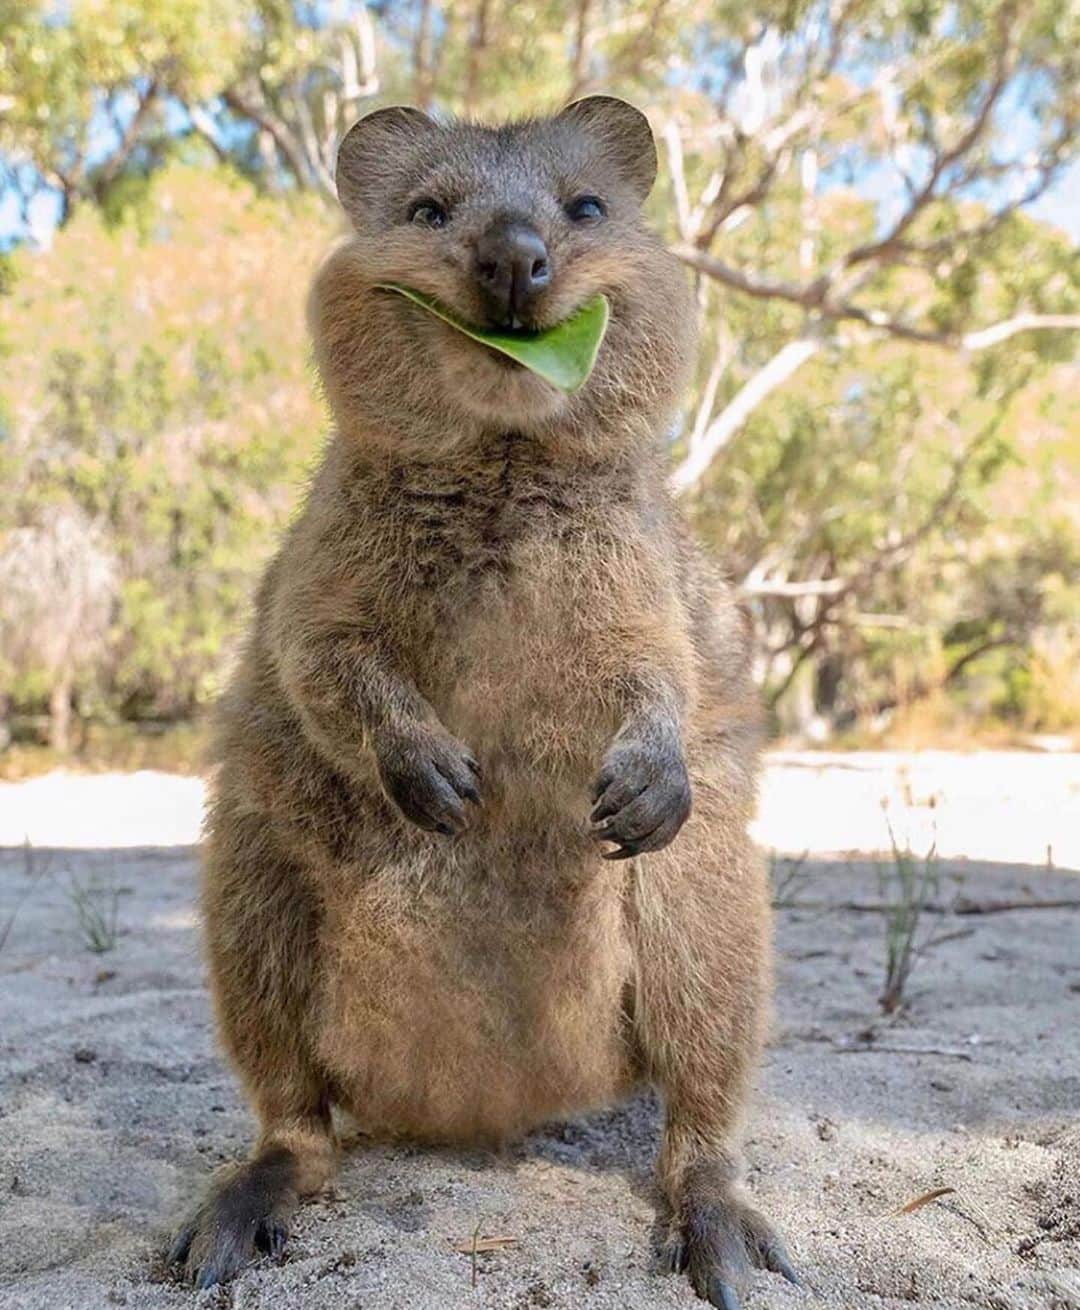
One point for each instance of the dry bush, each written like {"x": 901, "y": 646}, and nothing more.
{"x": 58, "y": 580}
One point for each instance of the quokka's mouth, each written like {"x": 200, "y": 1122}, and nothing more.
{"x": 563, "y": 355}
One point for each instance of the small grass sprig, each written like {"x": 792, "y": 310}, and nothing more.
{"x": 907, "y": 887}
{"x": 97, "y": 912}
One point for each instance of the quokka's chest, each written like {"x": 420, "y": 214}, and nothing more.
{"x": 465, "y": 537}
{"x": 524, "y": 584}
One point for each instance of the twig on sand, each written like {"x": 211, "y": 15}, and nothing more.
{"x": 890, "y": 1048}
{"x": 962, "y": 905}
{"x": 954, "y": 1207}
{"x": 944, "y": 937}
{"x": 919, "y": 1201}
{"x": 477, "y": 1245}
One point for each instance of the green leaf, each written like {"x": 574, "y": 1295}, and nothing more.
{"x": 563, "y": 355}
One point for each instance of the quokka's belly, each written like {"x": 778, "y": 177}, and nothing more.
{"x": 528, "y": 685}
{"x": 467, "y": 1004}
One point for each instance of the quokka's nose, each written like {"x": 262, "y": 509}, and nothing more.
{"x": 512, "y": 268}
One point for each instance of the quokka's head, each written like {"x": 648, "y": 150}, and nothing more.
{"x": 512, "y": 228}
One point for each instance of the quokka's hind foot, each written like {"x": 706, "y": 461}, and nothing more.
{"x": 246, "y": 1213}
{"x": 716, "y": 1238}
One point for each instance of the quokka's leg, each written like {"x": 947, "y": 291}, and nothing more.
{"x": 702, "y": 930}
{"x": 261, "y": 928}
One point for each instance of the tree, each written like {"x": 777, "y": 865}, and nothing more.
{"x": 885, "y": 326}
{"x": 57, "y": 579}
{"x": 156, "y": 418}
{"x": 958, "y": 116}
{"x": 120, "y": 87}
{"x": 86, "y": 93}
{"x": 919, "y": 99}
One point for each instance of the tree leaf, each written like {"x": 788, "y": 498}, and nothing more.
{"x": 563, "y": 355}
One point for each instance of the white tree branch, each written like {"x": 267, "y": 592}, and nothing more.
{"x": 791, "y": 357}
{"x": 792, "y": 590}
{"x": 997, "y": 332}
{"x": 788, "y": 360}
{"x": 673, "y": 141}
{"x": 365, "y": 39}
{"x": 725, "y": 349}
{"x": 317, "y": 166}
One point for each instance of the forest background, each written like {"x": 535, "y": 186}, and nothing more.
{"x": 878, "y": 202}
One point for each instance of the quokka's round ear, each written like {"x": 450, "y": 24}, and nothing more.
{"x": 624, "y": 133}
{"x": 369, "y": 153}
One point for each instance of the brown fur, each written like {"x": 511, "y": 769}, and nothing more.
{"x": 486, "y": 566}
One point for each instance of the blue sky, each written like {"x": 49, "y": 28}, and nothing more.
{"x": 1061, "y": 205}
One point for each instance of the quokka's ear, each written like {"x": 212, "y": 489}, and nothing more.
{"x": 368, "y": 156}
{"x": 624, "y": 134}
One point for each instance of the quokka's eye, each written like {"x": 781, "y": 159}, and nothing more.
{"x": 586, "y": 210}
{"x": 426, "y": 212}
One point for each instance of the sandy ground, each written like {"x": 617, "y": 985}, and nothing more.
{"x": 114, "y": 1103}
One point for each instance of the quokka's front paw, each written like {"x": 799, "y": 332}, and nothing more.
{"x": 429, "y": 775}
{"x": 642, "y": 795}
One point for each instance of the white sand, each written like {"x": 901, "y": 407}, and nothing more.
{"x": 1008, "y": 806}
{"x": 102, "y": 809}
{"x": 114, "y": 1102}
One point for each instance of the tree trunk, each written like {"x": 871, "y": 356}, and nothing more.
{"x": 60, "y": 712}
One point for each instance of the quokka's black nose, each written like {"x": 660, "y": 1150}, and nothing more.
{"x": 512, "y": 268}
